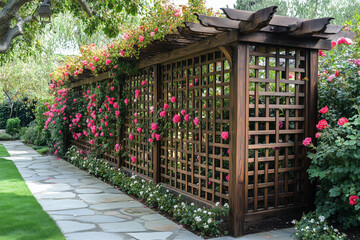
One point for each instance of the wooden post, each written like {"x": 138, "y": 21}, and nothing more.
{"x": 238, "y": 138}
{"x": 157, "y": 144}
{"x": 312, "y": 118}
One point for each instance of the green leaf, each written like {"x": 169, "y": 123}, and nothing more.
{"x": 335, "y": 191}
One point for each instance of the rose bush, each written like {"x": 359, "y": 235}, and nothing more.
{"x": 335, "y": 165}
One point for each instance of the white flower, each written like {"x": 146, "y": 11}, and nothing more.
{"x": 205, "y": 212}
{"x": 314, "y": 230}
{"x": 209, "y": 220}
{"x": 226, "y": 205}
{"x": 135, "y": 182}
{"x": 192, "y": 204}
{"x": 206, "y": 226}
{"x": 175, "y": 206}
{"x": 217, "y": 204}
{"x": 335, "y": 230}
{"x": 307, "y": 227}
{"x": 197, "y": 218}
{"x": 312, "y": 220}
{"x": 209, "y": 213}
{"x": 321, "y": 218}
{"x": 326, "y": 228}
{"x": 293, "y": 221}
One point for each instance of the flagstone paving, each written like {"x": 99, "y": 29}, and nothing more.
{"x": 85, "y": 208}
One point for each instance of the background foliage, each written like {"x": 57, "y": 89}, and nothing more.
{"x": 341, "y": 10}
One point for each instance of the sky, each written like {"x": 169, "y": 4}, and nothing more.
{"x": 215, "y": 4}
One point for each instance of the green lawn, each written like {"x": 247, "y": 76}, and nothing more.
{"x": 41, "y": 149}
{"x": 21, "y": 216}
{"x": 3, "y": 151}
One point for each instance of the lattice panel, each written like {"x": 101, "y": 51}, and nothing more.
{"x": 139, "y": 116}
{"x": 276, "y": 163}
{"x": 195, "y": 159}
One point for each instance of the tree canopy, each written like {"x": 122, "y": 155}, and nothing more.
{"x": 341, "y": 10}
{"x": 19, "y": 17}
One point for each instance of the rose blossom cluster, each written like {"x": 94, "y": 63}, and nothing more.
{"x": 322, "y": 124}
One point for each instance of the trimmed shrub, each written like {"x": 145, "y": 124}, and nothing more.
{"x": 13, "y": 126}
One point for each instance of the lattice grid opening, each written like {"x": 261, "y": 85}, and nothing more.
{"x": 276, "y": 163}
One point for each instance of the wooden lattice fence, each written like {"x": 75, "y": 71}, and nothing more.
{"x": 253, "y": 75}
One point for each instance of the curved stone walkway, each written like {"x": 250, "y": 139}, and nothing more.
{"x": 85, "y": 208}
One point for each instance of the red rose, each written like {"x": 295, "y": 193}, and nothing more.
{"x": 322, "y": 124}
{"x": 337, "y": 73}
{"x": 324, "y": 110}
{"x": 353, "y": 200}
{"x": 342, "y": 121}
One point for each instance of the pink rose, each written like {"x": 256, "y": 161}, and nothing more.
{"x": 183, "y": 112}
{"x": 162, "y": 113}
{"x": 154, "y": 126}
{"x": 227, "y": 177}
{"x": 173, "y": 99}
{"x": 139, "y": 130}
{"x": 126, "y": 101}
{"x": 176, "y": 118}
{"x": 91, "y": 142}
{"x": 131, "y": 137}
{"x": 141, "y": 38}
{"x": 166, "y": 106}
{"x": 196, "y": 121}
{"x": 331, "y": 77}
{"x": 317, "y": 135}
{"x": 115, "y": 105}
{"x": 225, "y": 135}
{"x": 342, "y": 121}
{"x": 108, "y": 61}
{"x": 152, "y": 34}
{"x": 186, "y": 117}
{"x": 150, "y": 140}
{"x": 117, "y": 147}
{"x": 126, "y": 36}
{"x": 135, "y": 121}
{"x": 158, "y": 137}
{"x": 324, "y": 110}
{"x": 307, "y": 141}
{"x": 133, "y": 159}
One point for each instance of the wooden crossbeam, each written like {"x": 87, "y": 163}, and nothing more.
{"x": 310, "y": 27}
{"x": 209, "y": 21}
{"x": 257, "y": 20}
{"x": 197, "y": 27}
{"x": 276, "y": 21}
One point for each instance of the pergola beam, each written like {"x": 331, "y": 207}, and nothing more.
{"x": 258, "y": 20}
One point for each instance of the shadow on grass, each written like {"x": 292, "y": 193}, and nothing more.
{"x": 21, "y": 215}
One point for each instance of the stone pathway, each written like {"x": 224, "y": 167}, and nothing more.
{"x": 85, "y": 208}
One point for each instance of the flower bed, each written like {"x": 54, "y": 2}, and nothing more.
{"x": 207, "y": 222}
